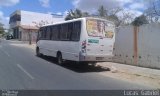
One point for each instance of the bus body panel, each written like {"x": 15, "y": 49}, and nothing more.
{"x": 98, "y": 48}
{"x": 101, "y": 51}
{"x": 69, "y": 51}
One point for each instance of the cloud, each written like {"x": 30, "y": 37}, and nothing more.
{"x": 137, "y": 6}
{"x": 59, "y": 13}
{"x": 45, "y": 3}
{"x": 92, "y": 5}
{"x": 8, "y": 2}
{"x": 4, "y": 20}
{"x": 65, "y": 13}
{"x": 134, "y": 13}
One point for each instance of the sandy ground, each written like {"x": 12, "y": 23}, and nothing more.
{"x": 145, "y": 76}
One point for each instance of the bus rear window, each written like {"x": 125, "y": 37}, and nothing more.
{"x": 100, "y": 28}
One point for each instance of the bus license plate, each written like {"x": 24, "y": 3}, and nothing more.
{"x": 99, "y": 58}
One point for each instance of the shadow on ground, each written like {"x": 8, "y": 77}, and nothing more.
{"x": 76, "y": 67}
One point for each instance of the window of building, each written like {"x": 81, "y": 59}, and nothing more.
{"x": 15, "y": 18}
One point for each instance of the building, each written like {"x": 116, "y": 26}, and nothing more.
{"x": 25, "y": 24}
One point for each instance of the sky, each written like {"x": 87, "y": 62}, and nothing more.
{"x": 61, "y": 7}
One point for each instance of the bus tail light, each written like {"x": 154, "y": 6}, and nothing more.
{"x": 84, "y": 46}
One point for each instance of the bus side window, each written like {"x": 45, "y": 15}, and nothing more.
{"x": 43, "y": 36}
{"x": 45, "y": 33}
{"x": 70, "y": 30}
{"x": 76, "y": 31}
{"x": 64, "y": 32}
{"x": 48, "y": 33}
{"x": 55, "y": 32}
{"x": 51, "y": 33}
{"x": 39, "y": 34}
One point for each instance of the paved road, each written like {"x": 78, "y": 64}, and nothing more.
{"x": 21, "y": 69}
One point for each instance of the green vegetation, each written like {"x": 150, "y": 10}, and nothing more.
{"x": 77, "y": 13}
{"x": 150, "y": 15}
{"x": 138, "y": 21}
{"x": 102, "y": 12}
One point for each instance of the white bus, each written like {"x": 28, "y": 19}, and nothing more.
{"x": 82, "y": 40}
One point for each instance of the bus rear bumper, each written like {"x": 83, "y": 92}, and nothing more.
{"x": 96, "y": 58}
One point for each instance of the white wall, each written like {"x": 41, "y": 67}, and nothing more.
{"x": 30, "y": 18}
{"x": 25, "y": 35}
{"x": 27, "y": 18}
{"x": 148, "y": 53}
{"x": 124, "y": 45}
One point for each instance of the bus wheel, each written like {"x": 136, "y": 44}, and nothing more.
{"x": 38, "y": 53}
{"x": 83, "y": 64}
{"x": 59, "y": 59}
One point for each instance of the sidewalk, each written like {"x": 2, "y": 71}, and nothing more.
{"x": 23, "y": 44}
{"x": 32, "y": 46}
{"x": 145, "y": 76}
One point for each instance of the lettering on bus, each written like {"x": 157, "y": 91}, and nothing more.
{"x": 93, "y": 41}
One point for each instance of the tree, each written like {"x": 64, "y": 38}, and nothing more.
{"x": 102, "y": 12}
{"x": 153, "y": 11}
{"x": 77, "y": 13}
{"x": 85, "y": 14}
{"x": 138, "y": 21}
{"x": 114, "y": 19}
{"x": 68, "y": 17}
{"x": 118, "y": 15}
{"x": 156, "y": 7}
{"x": 112, "y": 16}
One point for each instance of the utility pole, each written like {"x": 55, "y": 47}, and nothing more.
{"x": 30, "y": 38}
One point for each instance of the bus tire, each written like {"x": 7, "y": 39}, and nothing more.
{"x": 84, "y": 64}
{"x": 37, "y": 52}
{"x": 59, "y": 58}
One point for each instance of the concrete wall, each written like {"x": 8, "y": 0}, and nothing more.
{"x": 138, "y": 45}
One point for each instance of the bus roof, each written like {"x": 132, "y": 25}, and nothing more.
{"x": 78, "y": 19}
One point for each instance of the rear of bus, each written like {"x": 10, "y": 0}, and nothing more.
{"x": 97, "y": 40}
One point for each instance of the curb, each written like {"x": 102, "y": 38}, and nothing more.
{"x": 132, "y": 70}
